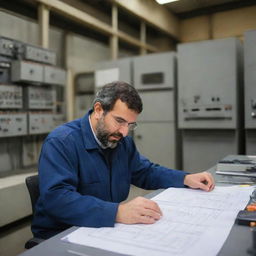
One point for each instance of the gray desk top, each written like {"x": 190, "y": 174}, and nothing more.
{"x": 237, "y": 243}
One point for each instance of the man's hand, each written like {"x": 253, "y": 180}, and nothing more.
{"x": 202, "y": 180}
{"x": 138, "y": 210}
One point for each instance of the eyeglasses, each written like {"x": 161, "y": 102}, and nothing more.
{"x": 123, "y": 123}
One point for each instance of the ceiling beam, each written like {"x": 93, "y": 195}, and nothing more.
{"x": 85, "y": 19}
{"x": 152, "y": 13}
{"x": 77, "y": 15}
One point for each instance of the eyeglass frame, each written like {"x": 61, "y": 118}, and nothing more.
{"x": 123, "y": 123}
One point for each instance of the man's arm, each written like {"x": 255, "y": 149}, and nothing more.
{"x": 59, "y": 194}
{"x": 149, "y": 175}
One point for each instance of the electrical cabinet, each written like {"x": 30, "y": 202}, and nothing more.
{"x": 40, "y": 97}
{"x": 6, "y": 55}
{"x": 38, "y": 54}
{"x": 156, "y": 136}
{"x": 83, "y": 104}
{"x": 116, "y": 70}
{"x": 6, "y": 46}
{"x": 4, "y": 71}
{"x": 13, "y": 124}
{"x": 53, "y": 75}
{"x": 209, "y": 85}
{"x": 154, "y": 71}
{"x": 23, "y": 71}
{"x": 250, "y": 90}
{"x": 10, "y": 97}
{"x": 40, "y": 122}
{"x": 31, "y": 102}
{"x": 84, "y": 88}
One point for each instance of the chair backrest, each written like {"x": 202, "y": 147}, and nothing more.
{"x": 32, "y": 183}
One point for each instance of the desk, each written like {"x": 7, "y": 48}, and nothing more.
{"x": 237, "y": 243}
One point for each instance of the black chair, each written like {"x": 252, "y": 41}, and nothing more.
{"x": 32, "y": 183}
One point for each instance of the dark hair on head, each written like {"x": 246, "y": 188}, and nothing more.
{"x": 111, "y": 92}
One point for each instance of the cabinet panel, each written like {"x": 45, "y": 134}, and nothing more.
{"x": 157, "y": 142}
{"x": 22, "y": 71}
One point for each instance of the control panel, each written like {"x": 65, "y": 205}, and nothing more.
{"x": 13, "y": 124}
{"x": 250, "y": 79}
{"x": 32, "y": 102}
{"x": 10, "y": 97}
{"x": 40, "y": 98}
{"x": 23, "y": 71}
{"x": 40, "y": 122}
{"x": 38, "y": 54}
{"x": 209, "y": 84}
{"x": 155, "y": 71}
{"x": 214, "y": 109}
{"x": 6, "y": 46}
{"x": 53, "y": 75}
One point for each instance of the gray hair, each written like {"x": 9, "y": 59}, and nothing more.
{"x": 111, "y": 92}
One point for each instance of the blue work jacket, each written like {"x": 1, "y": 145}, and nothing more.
{"x": 79, "y": 187}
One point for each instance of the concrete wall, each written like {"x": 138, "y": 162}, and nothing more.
{"x": 83, "y": 53}
{"x": 231, "y": 23}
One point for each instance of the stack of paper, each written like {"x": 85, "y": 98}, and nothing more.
{"x": 244, "y": 166}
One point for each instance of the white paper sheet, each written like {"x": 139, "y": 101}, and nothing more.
{"x": 194, "y": 222}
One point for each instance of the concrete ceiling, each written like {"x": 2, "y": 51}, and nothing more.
{"x": 196, "y": 7}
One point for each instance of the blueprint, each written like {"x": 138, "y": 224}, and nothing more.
{"x": 194, "y": 222}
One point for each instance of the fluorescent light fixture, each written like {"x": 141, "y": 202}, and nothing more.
{"x": 166, "y": 1}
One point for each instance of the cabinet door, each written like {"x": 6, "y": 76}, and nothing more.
{"x": 156, "y": 141}
{"x": 157, "y": 106}
{"x": 26, "y": 71}
{"x": 202, "y": 149}
{"x": 53, "y": 75}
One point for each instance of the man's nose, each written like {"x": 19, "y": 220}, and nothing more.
{"x": 124, "y": 130}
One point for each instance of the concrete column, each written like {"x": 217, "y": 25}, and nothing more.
{"x": 114, "y": 37}
{"x": 43, "y": 21}
{"x": 143, "y": 37}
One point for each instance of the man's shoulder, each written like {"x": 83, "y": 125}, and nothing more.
{"x": 64, "y": 131}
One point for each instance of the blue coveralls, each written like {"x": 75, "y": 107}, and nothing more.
{"x": 81, "y": 186}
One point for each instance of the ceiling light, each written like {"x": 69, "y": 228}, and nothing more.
{"x": 166, "y": 1}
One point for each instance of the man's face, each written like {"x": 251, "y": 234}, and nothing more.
{"x": 114, "y": 125}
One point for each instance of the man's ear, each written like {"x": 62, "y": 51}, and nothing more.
{"x": 98, "y": 110}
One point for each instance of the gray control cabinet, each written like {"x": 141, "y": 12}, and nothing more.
{"x": 23, "y": 71}
{"x": 31, "y": 102}
{"x": 156, "y": 137}
{"x": 209, "y": 86}
{"x": 13, "y": 124}
{"x": 6, "y": 46}
{"x": 38, "y": 54}
{"x": 40, "y": 98}
{"x": 54, "y": 75}
{"x": 10, "y": 97}
{"x": 250, "y": 90}
{"x": 116, "y": 70}
{"x": 40, "y": 122}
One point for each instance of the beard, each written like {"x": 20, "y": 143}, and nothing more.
{"x": 103, "y": 135}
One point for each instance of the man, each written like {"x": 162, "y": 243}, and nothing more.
{"x": 86, "y": 167}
